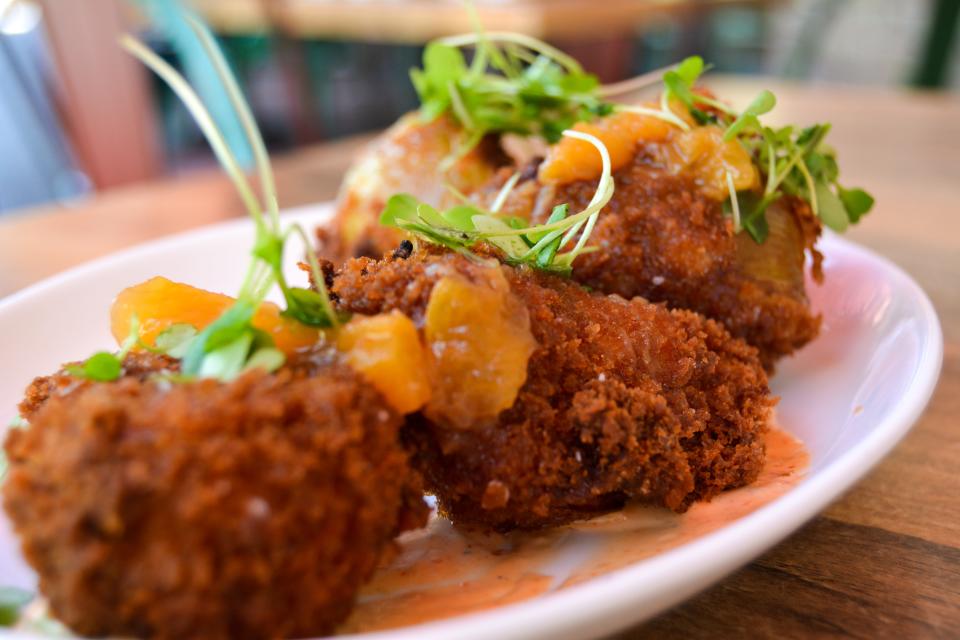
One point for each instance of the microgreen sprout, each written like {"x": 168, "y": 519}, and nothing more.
{"x": 104, "y": 366}
{"x": 514, "y": 84}
{"x": 464, "y": 226}
{"x": 231, "y": 344}
{"x": 790, "y": 163}
{"x": 518, "y": 84}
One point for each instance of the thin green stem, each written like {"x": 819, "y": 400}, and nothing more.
{"x": 317, "y": 274}
{"x": 716, "y": 104}
{"x": 771, "y": 163}
{"x": 525, "y": 41}
{"x": 734, "y": 202}
{"x": 811, "y": 188}
{"x": 242, "y": 108}
{"x": 203, "y": 119}
{"x": 504, "y": 192}
{"x": 800, "y": 154}
{"x": 459, "y": 108}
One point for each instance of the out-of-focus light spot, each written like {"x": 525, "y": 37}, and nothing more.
{"x": 19, "y": 16}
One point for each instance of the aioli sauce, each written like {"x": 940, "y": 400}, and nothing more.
{"x": 444, "y": 571}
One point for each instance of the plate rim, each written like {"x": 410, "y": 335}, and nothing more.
{"x": 561, "y": 613}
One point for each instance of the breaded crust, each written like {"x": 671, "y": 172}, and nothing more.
{"x": 250, "y": 509}
{"x": 623, "y": 399}
{"x": 662, "y": 239}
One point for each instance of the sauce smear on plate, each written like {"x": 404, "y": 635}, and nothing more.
{"x": 443, "y": 571}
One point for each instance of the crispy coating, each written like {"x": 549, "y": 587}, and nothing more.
{"x": 623, "y": 400}
{"x": 249, "y": 509}
{"x": 662, "y": 239}
{"x": 137, "y": 365}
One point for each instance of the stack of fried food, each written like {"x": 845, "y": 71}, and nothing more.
{"x": 531, "y": 338}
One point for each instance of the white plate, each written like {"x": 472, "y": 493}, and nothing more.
{"x": 849, "y": 396}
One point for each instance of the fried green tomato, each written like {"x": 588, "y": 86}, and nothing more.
{"x": 618, "y": 399}
{"x": 249, "y": 509}
{"x": 662, "y": 238}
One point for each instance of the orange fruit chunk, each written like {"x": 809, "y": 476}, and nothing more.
{"x": 159, "y": 303}
{"x": 705, "y": 156}
{"x": 480, "y": 342}
{"x": 572, "y": 159}
{"x": 386, "y": 349}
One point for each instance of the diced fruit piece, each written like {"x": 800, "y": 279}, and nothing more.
{"x": 572, "y": 159}
{"x": 480, "y": 342}
{"x": 159, "y": 303}
{"x": 387, "y": 350}
{"x": 700, "y": 153}
{"x": 706, "y": 157}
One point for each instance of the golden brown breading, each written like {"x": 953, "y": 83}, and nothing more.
{"x": 138, "y": 365}
{"x": 249, "y": 509}
{"x": 661, "y": 238}
{"x": 622, "y": 400}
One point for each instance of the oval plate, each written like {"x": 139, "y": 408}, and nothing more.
{"x": 849, "y": 396}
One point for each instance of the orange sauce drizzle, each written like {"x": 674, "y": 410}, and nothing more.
{"x": 443, "y": 571}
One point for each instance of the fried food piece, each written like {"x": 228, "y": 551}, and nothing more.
{"x": 249, "y": 509}
{"x": 661, "y": 237}
{"x": 622, "y": 400}
{"x": 414, "y": 157}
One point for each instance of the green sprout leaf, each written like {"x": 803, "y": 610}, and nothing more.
{"x": 511, "y": 245}
{"x": 461, "y": 217}
{"x": 464, "y": 226}
{"x": 12, "y": 603}
{"x": 307, "y": 307}
{"x": 763, "y": 103}
{"x": 857, "y": 202}
{"x": 430, "y": 216}
{"x": 516, "y": 84}
{"x": 689, "y": 70}
{"x": 223, "y": 348}
{"x": 268, "y": 359}
{"x": 233, "y": 324}
{"x": 830, "y": 208}
{"x": 401, "y": 206}
{"x": 547, "y": 255}
{"x": 175, "y": 339}
{"x": 100, "y": 367}
{"x": 226, "y": 361}
{"x": 757, "y": 227}
{"x": 104, "y": 366}
{"x": 679, "y": 88}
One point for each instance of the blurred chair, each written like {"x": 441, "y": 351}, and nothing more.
{"x": 103, "y": 96}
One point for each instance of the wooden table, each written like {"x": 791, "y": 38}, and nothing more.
{"x": 884, "y": 561}
{"x": 416, "y": 21}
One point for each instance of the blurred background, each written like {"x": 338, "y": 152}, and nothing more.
{"x": 79, "y": 116}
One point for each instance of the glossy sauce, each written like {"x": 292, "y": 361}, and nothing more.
{"x": 443, "y": 571}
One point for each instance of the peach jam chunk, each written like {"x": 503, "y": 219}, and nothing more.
{"x": 479, "y": 340}
{"x": 159, "y": 303}
{"x": 386, "y": 349}
{"x": 704, "y": 156}
{"x": 571, "y": 159}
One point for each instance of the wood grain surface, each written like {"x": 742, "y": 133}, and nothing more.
{"x": 416, "y": 21}
{"x": 884, "y": 561}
